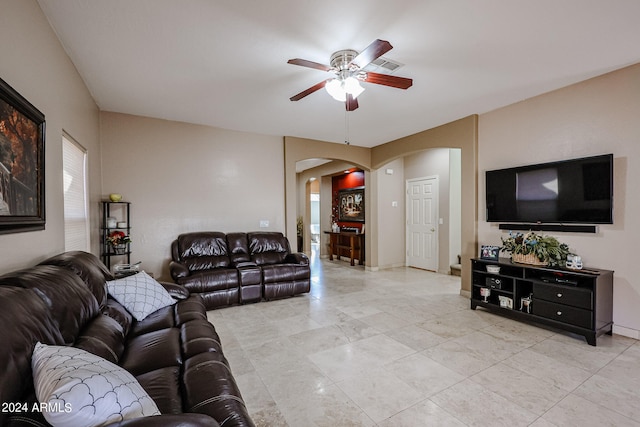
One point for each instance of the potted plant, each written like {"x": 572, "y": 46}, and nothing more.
{"x": 300, "y": 232}
{"x": 536, "y": 249}
{"x": 118, "y": 241}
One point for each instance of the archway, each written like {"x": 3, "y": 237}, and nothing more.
{"x": 317, "y": 174}
{"x": 459, "y": 134}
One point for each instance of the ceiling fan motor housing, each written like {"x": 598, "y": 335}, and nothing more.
{"x": 341, "y": 61}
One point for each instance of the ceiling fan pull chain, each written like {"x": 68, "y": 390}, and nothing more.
{"x": 346, "y": 127}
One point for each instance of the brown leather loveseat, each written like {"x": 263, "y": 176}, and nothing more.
{"x": 238, "y": 268}
{"x": 174, "y": 353}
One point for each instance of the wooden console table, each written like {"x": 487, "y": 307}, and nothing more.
{"x": 346, "y": 242}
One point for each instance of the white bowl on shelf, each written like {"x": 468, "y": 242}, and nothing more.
{"x": 495, "y": 269}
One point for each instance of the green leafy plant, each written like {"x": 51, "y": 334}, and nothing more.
{"x": 299, "y": 226}
{"x": 546, "y": 248}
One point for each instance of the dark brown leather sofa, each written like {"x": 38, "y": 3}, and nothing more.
{"x": 238, "y": 268}
{"x": 174, "y": 353}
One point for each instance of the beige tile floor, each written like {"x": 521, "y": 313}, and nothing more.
{"x": 401, "y": 348}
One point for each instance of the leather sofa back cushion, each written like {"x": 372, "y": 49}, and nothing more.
{"x": 153, "y": 350}
{"x": 93, "y": 272}
{"x": 163, "y": 386}
{"x": 70, "y": 301}
{"x": 25, "y": 320}
{"x": 268, "y": 247}
{"x": 203, "y": 250}
{"x": 103, "y": 336}
{"x": 117, "y": 312}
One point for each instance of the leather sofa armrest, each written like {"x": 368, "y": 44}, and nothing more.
{"x": 170, "y": 420}
{"x": 176, "y": 291}
{"x": 297, "y": 258}
{"x": 178, "y": 270}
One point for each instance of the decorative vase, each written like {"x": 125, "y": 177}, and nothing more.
{"x": 527, "y": 259}
{"x": 119, "y": 249}
{"x": 115, "y": 197}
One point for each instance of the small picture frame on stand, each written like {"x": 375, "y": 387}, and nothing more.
{"x": 489, "y": 252}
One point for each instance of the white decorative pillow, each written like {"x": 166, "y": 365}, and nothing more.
{"x": 140, "y": 294}
{"x": 82, "y": 389}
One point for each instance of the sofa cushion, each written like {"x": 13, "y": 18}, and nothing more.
{"x": 163, "y": 386}
{"x": 199, "y": 336}
{"x": 89, "y": 390}
{"x": 140, "y": 294}
{"x": 268, "y": 247}
{"x": 70, "y": 303}
{"x": 203, "y": 250}
{"x": 116, "y": 311}
{"x": 221, "y": 298}
{"x": 190, "y": 309}
{"x": 155, "y": 350}
{"x": 218, "y": 279}
{"x": 284, "y": 273}
{"x": 209, "y": 372}
{"x": 93, "y": 272}
{"x": 25, "y": 320}
{"x": 102, "y": 336}
{"x": 160, "y": 319}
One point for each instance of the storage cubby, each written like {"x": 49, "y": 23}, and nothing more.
{"x": 578, "y": 301}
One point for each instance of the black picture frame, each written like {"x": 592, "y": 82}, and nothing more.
{"x": 490, "y": 252}
{"x": 22, "y": 137}
{"x": 351, "y": 205}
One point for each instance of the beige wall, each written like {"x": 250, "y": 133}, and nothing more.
{"x": 35, "y": 64}
{"x": 181, "y": 177}
{"x": 391, "y": 219}
{"x": 594, "y": 117}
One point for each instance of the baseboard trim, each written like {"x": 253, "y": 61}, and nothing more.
{"x": 384, "y": 267}
{"x": 627, "y": 332}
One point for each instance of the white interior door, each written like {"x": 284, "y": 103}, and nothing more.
{"x": 422, "y": 223}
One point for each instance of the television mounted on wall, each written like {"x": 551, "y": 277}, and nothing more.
{"x": 577, "y": 191}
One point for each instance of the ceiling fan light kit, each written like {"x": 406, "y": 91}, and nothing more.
{"x": 339, "y": 89}
{"x": 347, "y": 65}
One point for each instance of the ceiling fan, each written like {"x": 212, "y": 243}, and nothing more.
{"x": 347, "y": 65}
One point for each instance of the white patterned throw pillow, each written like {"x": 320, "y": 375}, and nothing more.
{"x": 77, "y": 388}
{"x": 140, "y": 294}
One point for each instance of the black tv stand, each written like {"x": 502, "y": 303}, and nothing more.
{"x": 567, "y": 228}
{"x": 578, "y": 301}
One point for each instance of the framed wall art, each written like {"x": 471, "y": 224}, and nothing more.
{"x": 22, "y": 134}
{"x": 351, "y": 204}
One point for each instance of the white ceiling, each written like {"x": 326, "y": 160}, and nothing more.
{"x": 223, "y": 63}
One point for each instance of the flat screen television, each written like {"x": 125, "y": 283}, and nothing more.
{"x": 577, "y": 191}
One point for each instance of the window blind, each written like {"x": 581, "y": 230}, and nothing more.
{"x": 76, "y": 224}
